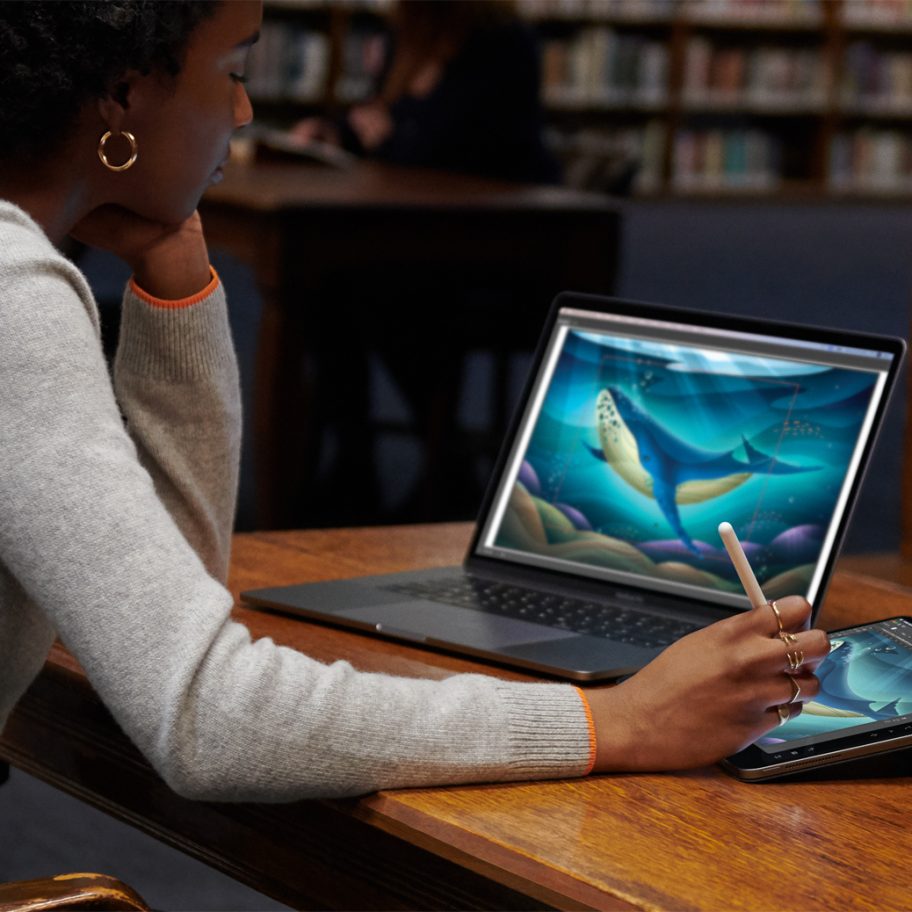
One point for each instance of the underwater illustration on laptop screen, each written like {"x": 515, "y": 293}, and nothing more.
{"x": 636, "y": 448}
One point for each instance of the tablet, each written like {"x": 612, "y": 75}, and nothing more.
{"x": 864, "y": 706}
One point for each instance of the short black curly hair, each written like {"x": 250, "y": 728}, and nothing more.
{"x": 57, "y": 55}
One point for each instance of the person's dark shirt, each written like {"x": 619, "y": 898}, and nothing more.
{"x": 483, "y": 116}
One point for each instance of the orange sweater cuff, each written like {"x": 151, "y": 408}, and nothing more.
{"x": 593, "y": 744}
{"x": 181, "y": 302}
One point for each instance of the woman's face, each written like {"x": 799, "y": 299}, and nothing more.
{"x": 183, "y": 125}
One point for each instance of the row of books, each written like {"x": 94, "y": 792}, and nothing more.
{"x": 878, "y": 161}
{"x": 864, "y": 160}
{"x": 873, "y": 13}
{"x": 725, "y": 160}
{"x": 878, "y": 13}
{"x": 381, "y": 7}
{"x": 291, "y": 63}
{"x": 761, "y": 77}
{"x": 799, "y": 12}
{"x": 876, "y": 81}
{"x": 599, "y": 66}
{"x": 609, "y": 10}
{"x": 804, "y": 12}
{"x": 288, "y": 64}
{"x": 599, "y": 158}
{"x": 363, "y": 56}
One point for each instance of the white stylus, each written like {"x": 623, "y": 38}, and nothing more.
{"x": 742, "y": 567}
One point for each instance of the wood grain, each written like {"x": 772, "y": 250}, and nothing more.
{"x": 835, "y": 839}
{"x": 70, "y": 893}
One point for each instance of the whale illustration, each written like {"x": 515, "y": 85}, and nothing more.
{"x": 836, "y": 692}
{"x": 659, "y": 465}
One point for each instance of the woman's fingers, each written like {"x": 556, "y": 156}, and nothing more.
{"x": 794, "y": 652}
{"x": 789, "y": 614}
{"x": 791, "y": 645}
{"x": 798, "y": 689}
{"x": 781, "y": 689}
{"x": 784, "y": 712}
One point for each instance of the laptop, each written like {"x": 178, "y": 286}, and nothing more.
{"x": 641, "y": 427}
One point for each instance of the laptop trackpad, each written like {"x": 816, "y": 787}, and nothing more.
{"x": 449, "y": 624}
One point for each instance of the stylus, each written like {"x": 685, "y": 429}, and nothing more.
{"x": 742, "y": 567}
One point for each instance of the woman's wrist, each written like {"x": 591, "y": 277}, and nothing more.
{"x": 170, "y": 277}
{"x": 175, "y": 303}
{"x": 615, "y": 734}
{"x": 175, "y": 265}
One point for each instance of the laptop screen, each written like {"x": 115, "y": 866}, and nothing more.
{"x": 641, "y": 435}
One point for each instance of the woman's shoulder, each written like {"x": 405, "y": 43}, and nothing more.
{"x": 22, "y": 240}
{"x": 31, "y": 265}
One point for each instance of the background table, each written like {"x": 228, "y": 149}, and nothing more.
{"x": 421, "y": 262}
{"x": 838, "y": 839}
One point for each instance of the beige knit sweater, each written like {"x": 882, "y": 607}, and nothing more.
{"x": 116, "y": 506}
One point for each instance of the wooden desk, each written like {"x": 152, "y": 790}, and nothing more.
{"x": 334, "y": 250}
{"x": 697, "y": 840}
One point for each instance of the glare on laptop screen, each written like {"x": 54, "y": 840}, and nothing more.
{"x": 640, "y": 437}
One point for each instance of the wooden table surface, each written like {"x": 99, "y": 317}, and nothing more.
{"x": 290, "y": 186}
{"x": 837, "y": 839}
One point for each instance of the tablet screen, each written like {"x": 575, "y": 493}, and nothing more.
{"x": 865, "y": 684}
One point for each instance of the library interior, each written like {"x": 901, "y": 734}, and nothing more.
{"x": 745, "y": 146}
{"x": 386, "y": 292}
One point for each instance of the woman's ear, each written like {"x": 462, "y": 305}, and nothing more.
{"x": 122, "y": 100}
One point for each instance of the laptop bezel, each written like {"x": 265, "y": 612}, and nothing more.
{"x": 486, "y": 564}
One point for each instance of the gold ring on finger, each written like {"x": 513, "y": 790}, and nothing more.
{"x": 784, "y": 713}
{"x": 775, "y": 608}
{"x": 797, "y": 694}
{"x": 788, "y": 638}
{"x": 795, "y": 659}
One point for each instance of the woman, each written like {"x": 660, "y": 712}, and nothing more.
{"x": 117, "y": 495}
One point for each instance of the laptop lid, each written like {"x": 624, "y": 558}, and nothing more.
{"x": 642, "y": 427}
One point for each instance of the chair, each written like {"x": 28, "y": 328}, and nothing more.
{"x": 70, "y": 892}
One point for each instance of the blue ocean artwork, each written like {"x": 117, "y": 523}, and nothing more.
{"x": 641, "y": 448}
{"x": 866, "y": 678}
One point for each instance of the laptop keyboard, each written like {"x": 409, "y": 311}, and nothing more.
{"x": 614, "y": 622}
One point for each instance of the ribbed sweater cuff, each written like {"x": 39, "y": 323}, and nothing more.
{"x": 549, "y": 731}
{"x": 175, "y": 344}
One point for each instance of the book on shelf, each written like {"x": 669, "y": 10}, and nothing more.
{"x": 289, "y": 63}
{"x": 871, "y": 161}
{"x": 607, "y": 10}
{"x": 604, "y": 158}
{"x": 760, "y": 12}
{"x": 363, "y": 56}
{"x": 764, "y": 78}
{"x": 874, "y": 81}
{"x": 379, "y": 7}
{"x": 877, "y": 13}
{"x": 725, "y": 160}
{"x": 601, "y": 67}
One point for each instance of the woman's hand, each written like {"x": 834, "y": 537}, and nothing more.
{"x": 709, "y": 694}
{"x": 314, "y": 129}
{"x": 372, "y": 123}
{"x": 168, "y": 261}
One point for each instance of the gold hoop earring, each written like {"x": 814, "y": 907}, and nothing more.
{"x": 134, "y": 151}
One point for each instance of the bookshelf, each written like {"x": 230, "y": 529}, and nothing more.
{"x": 718, "y": 97}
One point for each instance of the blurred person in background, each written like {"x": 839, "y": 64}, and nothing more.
{"x": 459, "y": 91}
